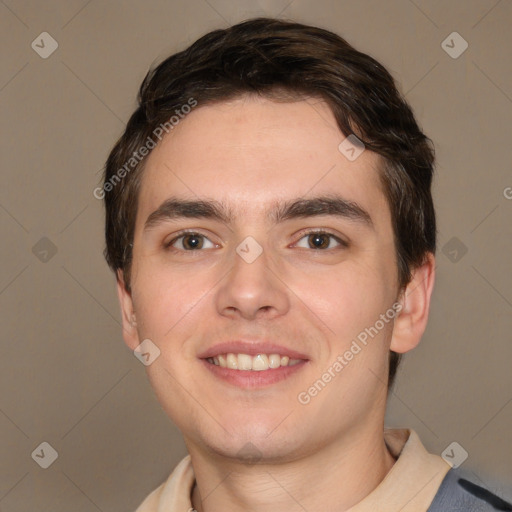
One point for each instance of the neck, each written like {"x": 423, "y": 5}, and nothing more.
{"x": 341, "y": 473}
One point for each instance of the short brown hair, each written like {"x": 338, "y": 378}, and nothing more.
{"x": 270, "y": 57}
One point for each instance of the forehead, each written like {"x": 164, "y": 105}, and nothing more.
{"x": 250, "y": 152}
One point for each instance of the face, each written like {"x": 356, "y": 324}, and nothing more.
{"x": 285, "y": 250}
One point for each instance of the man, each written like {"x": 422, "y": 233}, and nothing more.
{"x": 270, "y": 222}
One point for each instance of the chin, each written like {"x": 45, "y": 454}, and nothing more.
{"x": 251, "y": 441}
{"x": 262, "y": 450}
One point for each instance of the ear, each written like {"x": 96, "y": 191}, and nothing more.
{"x": 411, "y": 322}
{"x": 129, "y": 321}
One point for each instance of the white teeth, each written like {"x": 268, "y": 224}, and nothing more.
{"x": 232, "y": 361}
{"x": 260, "y": 362}
{"x": 274, "y": 361}
{"x": 244, "y": 362}
{"x": 257, "y": 363}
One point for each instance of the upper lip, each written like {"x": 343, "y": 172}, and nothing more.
{"x": 251, "y": 348}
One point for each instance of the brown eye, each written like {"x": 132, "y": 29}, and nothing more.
{"x": 189, "y": 242}
{"x": 320, "y": 240}
{"x": 192, "y": 242}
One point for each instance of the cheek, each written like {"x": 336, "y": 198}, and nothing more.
{"x": 349, "y": 300}
{"x": 163, "y": 299}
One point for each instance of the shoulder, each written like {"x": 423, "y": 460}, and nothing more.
{"x": 174, "y": 493}
{"x": 458, "y": 493}
{"x": 152, "y": 501}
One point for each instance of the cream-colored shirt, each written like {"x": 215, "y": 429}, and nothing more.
{"x": 410, "y": 485}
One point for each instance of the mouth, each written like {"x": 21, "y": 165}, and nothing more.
{"x": 257, "y": 363}
{"x": 251, "y": 365}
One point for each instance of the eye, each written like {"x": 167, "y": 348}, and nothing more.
{"x": 189, "y": 241}
{"x": 320, "y": 239}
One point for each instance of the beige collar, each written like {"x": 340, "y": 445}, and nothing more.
{"x": 410, "y": 485}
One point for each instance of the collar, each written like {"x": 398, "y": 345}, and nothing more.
{"x": 410, "y": 485}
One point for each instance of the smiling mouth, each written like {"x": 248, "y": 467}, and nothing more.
{"x": 246, "y": 362}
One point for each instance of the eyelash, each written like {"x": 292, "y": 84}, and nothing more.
{"x": 181, "y": 234}
{"x": 342, "y": 243}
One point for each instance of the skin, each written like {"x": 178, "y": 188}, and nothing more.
{"x": 251, "y": 152}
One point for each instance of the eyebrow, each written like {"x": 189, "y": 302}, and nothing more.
{"x": 175, "y": 209}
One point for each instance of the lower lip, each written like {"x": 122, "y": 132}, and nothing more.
{"x": 251, "y": 379}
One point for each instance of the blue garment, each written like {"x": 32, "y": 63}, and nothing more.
{"x": 458, "y": 494}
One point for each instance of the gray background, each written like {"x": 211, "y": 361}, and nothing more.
{"x": 67, "y": 378}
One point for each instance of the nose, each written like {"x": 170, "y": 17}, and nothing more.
{"x": 253, "y": 288}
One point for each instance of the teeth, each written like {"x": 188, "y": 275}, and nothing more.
{"x": 260, "y": 362}
{"x": 246, "y": 362}
{"x": 231, "y": 361}
{"x": 274, "y": 361}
